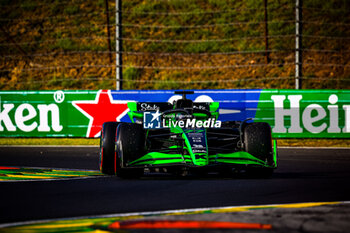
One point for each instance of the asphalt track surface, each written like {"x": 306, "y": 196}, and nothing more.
{"x": 303, "y": 175}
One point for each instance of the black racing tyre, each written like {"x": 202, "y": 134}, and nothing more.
{"x": 130, "y": 145}
{"x": 107, "y": 147}
{"x": 258, "y": 142}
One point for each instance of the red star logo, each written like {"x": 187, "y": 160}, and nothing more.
{"x": 101, "y": 110}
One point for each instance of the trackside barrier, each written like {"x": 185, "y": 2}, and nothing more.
{"x": 291, "y": 113}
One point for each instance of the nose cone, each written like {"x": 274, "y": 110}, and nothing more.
{"x": 201, "y": 159}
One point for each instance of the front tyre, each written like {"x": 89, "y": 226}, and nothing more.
{"x": 129, "y": 146}
{"x": 258, "y": 142}
{"x": 107, "y": 147}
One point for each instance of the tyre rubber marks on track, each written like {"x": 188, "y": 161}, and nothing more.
{"x": 173, "y": 224}
{"x": 29, "y": 174}
{"x": 129, "y": 221}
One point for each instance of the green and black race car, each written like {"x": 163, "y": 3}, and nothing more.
{"x": 185, "y": 137}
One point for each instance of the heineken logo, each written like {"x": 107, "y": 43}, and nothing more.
{"x": 314, "y": 117}
{"x": 27, "y": 118}
{"x": 31, "y": 117}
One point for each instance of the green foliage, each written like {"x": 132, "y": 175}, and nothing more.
{"x": 106, "y": 84}
{"x": 65, "y": 44}
{"x": 202, "y": 47}
{"x": 129, "y": 75}
{"x": 55, "y": 8}
{"x": 64, "y": 82}
{"x": 27, "y": 5}
{"x": 70, "y": 10}
{"x": 101, "y": 3}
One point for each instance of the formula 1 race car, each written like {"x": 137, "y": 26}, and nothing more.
{"x": 185, "y": 137}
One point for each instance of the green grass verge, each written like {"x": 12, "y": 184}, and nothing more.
{"x": 314, "y": 142}
{"x": 49, "y": 141}
{"x": 95, "y": 142}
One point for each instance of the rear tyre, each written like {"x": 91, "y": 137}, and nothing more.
{"x": 258, "y": 142}
{"x": 129, "y": 146}
{"x": 107, "y": 147}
